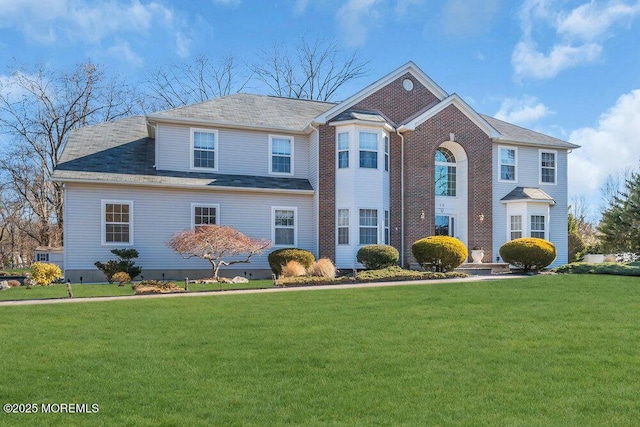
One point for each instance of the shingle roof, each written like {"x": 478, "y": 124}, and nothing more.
{"x": 528, "y": 193}
{"x": 519, "y": 134}
{"x": 255, "y": 111}
{"x": 121, "y": 152}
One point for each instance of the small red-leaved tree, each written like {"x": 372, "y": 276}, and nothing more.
{"x": 214, "y": 242}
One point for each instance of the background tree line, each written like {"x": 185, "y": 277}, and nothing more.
{"x": 40, "y": 107}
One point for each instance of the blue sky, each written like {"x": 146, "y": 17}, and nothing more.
{"x": 567, "y": 68}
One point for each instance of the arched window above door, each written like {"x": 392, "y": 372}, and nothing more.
{"x": 445, "y": 173}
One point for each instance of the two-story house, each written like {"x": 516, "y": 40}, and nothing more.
{"x": 399, "y": 160}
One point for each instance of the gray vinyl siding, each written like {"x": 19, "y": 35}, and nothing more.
{"x": 239, "y": 152}
{"x": 528, "y": 175}
{"x": 160, "y": 212}
{"x": 314, "y": 159}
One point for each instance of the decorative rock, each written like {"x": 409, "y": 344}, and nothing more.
{"x": 239, "y": 279}
{"x": 4, "y": 285}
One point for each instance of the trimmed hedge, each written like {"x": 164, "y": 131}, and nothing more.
{"x": 280, "y": 257}
{"x": 528, "y": 253}
{"x": 376, "y": 257}
{"x": 440, "y": 253}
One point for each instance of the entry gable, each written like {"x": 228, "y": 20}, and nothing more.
{"x": 461, "y": 105}
{"x": 409, "y": 70}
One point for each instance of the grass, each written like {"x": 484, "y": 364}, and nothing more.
{"x": 545, "y": 350}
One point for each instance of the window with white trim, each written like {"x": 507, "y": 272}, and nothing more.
{"x": 203, "y": 149}
{"x": 284, "y": 226}
{"x": 386, "y": 227}
{"x": 445, "y": 173}
{"x": 368, "y": 226}
{"x": 204, "y": 214}
{"x": 281, "y": 155}
{"x": 343, "y": 150}
{"x": 386, "y": 153}
{"x": 548, "y": 167}
{"x": 42, "y": 257}
{"x": 515, "y": 230}
{"x": 537, "y": 226}
{"x": 343, "y": 226}
{"x": 368, "y": 143}
{"x": 508, "y": 161}
{"x": 117, "y": 217}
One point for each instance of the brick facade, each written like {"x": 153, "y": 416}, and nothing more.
{"x": 399, "y": 105}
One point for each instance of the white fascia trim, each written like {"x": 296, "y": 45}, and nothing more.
{"x": 187, "y": 186}
{"x": 541, "y": 201}
{"x": 409, "y": 67}
{"x": 459, "y": 103}
{"x": 226, "y": 125}
{"x": 363, "y": 123}
{"x": 535, "y": 144}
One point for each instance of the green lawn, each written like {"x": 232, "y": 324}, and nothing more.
{"x": 545, "y": 350}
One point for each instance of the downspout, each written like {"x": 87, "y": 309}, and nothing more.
{"x": 401, "y": 196}
{"x": 316, "y": 192}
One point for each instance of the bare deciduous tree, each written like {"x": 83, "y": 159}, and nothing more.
{"x": 314, "y": 70}
{"x": 194, "y": 81}
{"x": 38, "y": 110}
{"x": 214, "y": 242}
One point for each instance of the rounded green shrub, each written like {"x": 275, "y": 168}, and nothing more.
{"x": 439, "y": 253}
{"x": 528, "y": 253}
{"x": 376, "y": 257}
{"x": 280, "y": 257}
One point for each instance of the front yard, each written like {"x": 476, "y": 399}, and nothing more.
{"x": 544, "y": 350}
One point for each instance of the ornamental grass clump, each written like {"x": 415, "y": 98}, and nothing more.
{"x": 439, "y": 253}
{"x": 323, "y": 268}
{"x": 376, "y": 257}
{"x": 293, "y": 269}
{"x": 528, "y": 253}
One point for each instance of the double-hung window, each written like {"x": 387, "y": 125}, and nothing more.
{"x": 537, "y": 226}
{"x": 515, "y": 227}
{"x": 343, "y": 226}
{"x": 284, "y": 226}
{"x": 343, "y": 150}
{"x": 386, "y": 153}
{"x": 548, "y": 167}
{"x": 204, "y": 149}
{"x": 386, "y": 227}
{"x": 508, "y": 160}
{"x": 204, "y": 214}
{"x": 368, "y": 150}
{"x": 117, "y": 225}
{"x": 281, "y": 154}
{"x": 368, "y": 226}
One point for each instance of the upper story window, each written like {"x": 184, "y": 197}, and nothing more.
{"x": 204, "y": 214}
{"x": 117, "y": 222}
{"x": 445, "y": 172}
{"x": 537, "y": 226}
{"x": 343, "y": 150}
{"x": 548, "y": 167}
{"x": 386, "y": 153}
{"x": 284, "y": 226}
{"x": 368, "y": 150}
{"x": 281, "y": 153}
{"x": 204, "y": 149}
{"x": 508, "y": 161}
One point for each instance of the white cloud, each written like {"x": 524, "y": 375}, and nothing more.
{"x": 576, "y": 35}
{"x": 467, "y": 17}
{"x": 123, "y": 52}
{"x": 591, "y": 20}
{"x": 402, "y": 6}
{"x": 527, "y": 61}
{"x": 607, "y": 148}
{"x": 230, "y": 3}
{"x": 300, "y": 6}
{"x": 521, "y": 111}
{"x": 183, "y": 44}
{"x": 355, "y": 17}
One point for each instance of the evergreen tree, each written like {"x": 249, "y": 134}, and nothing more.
{"x": 620, "y": 224}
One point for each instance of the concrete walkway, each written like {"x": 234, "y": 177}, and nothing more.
{"x": 259, "y": 291}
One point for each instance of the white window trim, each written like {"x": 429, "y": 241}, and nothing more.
{"x": 216, "y": 149}
{"x": 103, "y": 222}
{"x": 348, "y": 227}
{"x": 377, "y": 150}
{"x": 511, "y": 230}
{"x": 204, "y": 205}
{"x": 338, "y": 150}
{"x": 386, "y": 142}
{"x": 377, "y": 227}
{"x": 546, "y": 226}
{"x": 290, "y": 138}
{"x": 500, "y": 148}
{"x": 295, "y": 225}
{"x": 555, "y": 171}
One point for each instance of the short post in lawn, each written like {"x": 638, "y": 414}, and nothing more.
{"x": 69, "y": 291}
{"x": 186, "y": 284}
